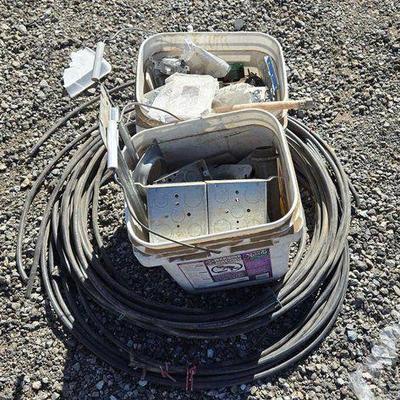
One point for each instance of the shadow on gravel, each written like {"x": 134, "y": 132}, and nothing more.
{"x": 86, "y": 376}
{"x": 17, "y": 393}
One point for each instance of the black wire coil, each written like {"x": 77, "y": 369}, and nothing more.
{"x": 318, "y": 275}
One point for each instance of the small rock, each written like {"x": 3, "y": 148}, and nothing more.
{"x": 239, "y": 24}
{"x": 390, "y": 263}
{"x": 340, "y": 381}
{"x": 299, "y": 24}
{"x": 21, "y": 28}
{"x": 253, "y": 390}
{"x": 25, "y": 183}
{"x": 352, "y": 335}
{"x": 359, "y": 301}
{"x": 99, "y": 385}
{"x": 210, "y": 353}
{"x": 36, "y": 385}
{"x": 43, "y": 83}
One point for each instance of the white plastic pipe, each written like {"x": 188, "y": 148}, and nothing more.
{"x": 112, "y": 139}
{"x": 98, "y": 58}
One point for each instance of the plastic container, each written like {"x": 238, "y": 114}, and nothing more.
{"x": 78, "y": 76}
{"x": 248, "y": 255}
{"x": 248, "y": 48}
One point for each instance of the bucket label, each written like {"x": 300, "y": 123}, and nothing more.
{"x": 226, "y": 268}
{"x": 235, "y": 268}
{"x": 258, "y": 262}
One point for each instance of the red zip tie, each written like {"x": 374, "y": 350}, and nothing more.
{"x": 190, "y": 371}
{"x": 165, "y": 373}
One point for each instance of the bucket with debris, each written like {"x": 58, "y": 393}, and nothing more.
{"x": 219, "y": 204}
{"x": 192, "y": 74}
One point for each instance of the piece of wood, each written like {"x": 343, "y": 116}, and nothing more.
{"x": 268, "y": 106}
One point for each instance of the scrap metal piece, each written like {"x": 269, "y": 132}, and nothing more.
{"x": 170, "y": 65}
{"x": 150, "y": 166}
{"x": 262, "y": 159}
{"x": 154, "y": 78}
{"x": 236, "y": 204}
{"x": 253, "y": 79}
{"x": 194, "y": 172}
{"x": 232, "y": 171}
{"x": 222, "y": 158}
{"x": 272, "y": 79}
{"x": 265, "y": 163}
{"x": 177, "y": 211}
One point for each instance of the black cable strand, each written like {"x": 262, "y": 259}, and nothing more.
{"x": 76, "y": 273}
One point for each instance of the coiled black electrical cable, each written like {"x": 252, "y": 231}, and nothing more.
{"x": 317, "y": 277}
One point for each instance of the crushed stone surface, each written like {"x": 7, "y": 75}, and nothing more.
{"x": 343, "y": 54}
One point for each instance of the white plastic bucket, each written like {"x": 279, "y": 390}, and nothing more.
{"x": 264, "y": 247}
{"x": 248, "y": 48}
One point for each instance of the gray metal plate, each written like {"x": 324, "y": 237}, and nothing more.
{"x": 236, "y": 204}
{"x": 194, "y": 172}
{"x": 231, "y": 171}
{"x": 178, "y": 211}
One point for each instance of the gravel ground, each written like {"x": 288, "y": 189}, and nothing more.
{"x": 344, "y": 54}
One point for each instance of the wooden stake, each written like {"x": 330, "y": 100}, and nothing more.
{"x": 268, "y": 106}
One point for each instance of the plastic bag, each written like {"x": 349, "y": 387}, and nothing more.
{"x": 202, "y": 62}
{"x": 360, "y": 386}
{"x": 383, "y": 354}
{"x": 240, "y": 93}
{"x": 186, "y": 96}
